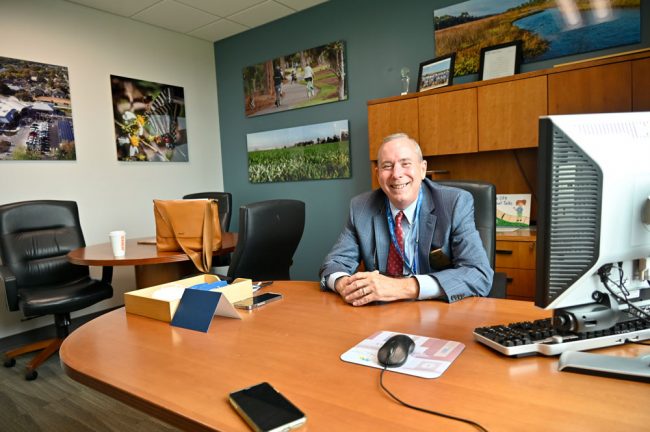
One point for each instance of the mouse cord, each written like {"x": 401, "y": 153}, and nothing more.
{"x": 381, "y": 383}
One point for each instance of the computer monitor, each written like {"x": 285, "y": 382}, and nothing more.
{"x": 593, "y": 232}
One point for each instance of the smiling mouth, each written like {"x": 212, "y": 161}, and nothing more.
{"x": 399, "y": 186}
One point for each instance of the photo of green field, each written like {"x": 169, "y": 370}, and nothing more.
{"x": 313, "y": 152}
{"x": 545, "y": 30}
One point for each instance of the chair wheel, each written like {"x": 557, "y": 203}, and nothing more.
{"x": 11, "y": 362}
{"x": 31, "y": 375}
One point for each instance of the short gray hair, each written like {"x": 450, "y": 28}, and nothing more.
{"x": 399, "y": 135}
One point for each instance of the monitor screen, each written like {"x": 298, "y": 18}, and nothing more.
{"x": 593, "y": 208}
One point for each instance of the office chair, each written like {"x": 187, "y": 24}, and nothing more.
{"x": 269, "y": 234}
{"x": 485, "y": 219}
{"x": 35, "y": 237}
{"x": 224, "y": 202}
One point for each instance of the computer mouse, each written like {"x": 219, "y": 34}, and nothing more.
{"x": 395, "y": 351}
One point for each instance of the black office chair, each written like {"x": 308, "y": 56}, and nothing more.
{"x": 485, "y": 200}
{"x": 269, "y": 234}
{"x": 35, "y": 237}
{"x": 224, "y": 202}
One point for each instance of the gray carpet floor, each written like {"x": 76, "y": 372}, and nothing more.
{"x": 56, "y": 403}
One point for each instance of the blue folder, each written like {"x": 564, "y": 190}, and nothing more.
{"x": 209, "y": 285}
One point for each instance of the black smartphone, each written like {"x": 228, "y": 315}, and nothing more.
{"x": 257, "y": 301}
{"x": 265, "y": 409}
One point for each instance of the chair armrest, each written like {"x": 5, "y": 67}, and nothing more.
{"x": 499, "y": 286}
{"x": 11, "y": 288}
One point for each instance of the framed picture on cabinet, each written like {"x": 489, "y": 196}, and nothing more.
{"x": 500, "y": 60}
{"x": 438, "y": 72}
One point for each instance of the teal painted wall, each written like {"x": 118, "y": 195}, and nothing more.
{"x": 381, "y": 37}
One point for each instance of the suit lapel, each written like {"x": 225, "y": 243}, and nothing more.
{"x": 427, "y": 227}
{"x": 382, "y": 238}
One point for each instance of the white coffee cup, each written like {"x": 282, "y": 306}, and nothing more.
{"x": 118, "y": 242}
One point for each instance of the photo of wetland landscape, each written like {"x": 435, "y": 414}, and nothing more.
{"x": 548, "y": 28}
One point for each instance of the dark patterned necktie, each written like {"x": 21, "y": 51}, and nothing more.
{"x": 395, "y": 265}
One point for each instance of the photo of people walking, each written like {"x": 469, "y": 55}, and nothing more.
{"x": 310, "y": 77}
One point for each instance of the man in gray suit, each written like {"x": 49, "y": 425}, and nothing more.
{"x": 421, "y": 232}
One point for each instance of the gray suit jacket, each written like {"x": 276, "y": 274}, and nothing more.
{"x": 446, "y": 222}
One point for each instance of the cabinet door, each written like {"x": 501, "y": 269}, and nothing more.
{"x": 515, "y": 254}
{"x": 448, "y": 123}
{"x": 591, "y": 90}
{"x": 520, "y": 283}
{"x": 508, "y": 113}
{"x": 391, "y": 117}
{"x": 641, "y": 85}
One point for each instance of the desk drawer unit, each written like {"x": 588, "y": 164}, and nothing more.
{"x": 517, "y": 260}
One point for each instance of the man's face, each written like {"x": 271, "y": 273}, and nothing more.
{"x": 400, "y": 171}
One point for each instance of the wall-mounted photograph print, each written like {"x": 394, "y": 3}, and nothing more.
{"x": 149, "y": 121}
{"x": 35, "y": 111}
{"x": 310, "y": 77}
{"x": 548, "y": 28}
{"x": 312, "y": 152}
{"x": 435, "y": 73}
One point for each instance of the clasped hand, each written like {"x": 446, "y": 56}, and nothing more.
{"x": 365, "y": 287}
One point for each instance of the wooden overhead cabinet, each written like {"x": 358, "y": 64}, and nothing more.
{"x": 641, "y": 85}
{"x": 389, "y": 118}
{"x": 508, "y": 113}
{"x": 448, "y": 123}
{"x": 596, "y": 89}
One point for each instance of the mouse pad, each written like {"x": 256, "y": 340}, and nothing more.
{"x": 430, "y": 358}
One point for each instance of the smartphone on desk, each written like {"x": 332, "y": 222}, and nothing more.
{"x": 265, "y": 409}
{"x": 257, "y": 301}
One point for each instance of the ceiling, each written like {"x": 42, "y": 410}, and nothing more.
{"x": 210, "y": 20}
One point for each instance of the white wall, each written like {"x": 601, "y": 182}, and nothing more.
{"x": 111, "y": 195}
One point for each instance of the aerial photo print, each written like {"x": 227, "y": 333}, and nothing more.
{"x": 35, "y": 111}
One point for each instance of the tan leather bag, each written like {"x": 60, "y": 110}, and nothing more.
{"x": 191, "y": 226}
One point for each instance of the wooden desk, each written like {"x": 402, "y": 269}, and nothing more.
{"x": 152, "y": 267}
{"x": 184, "y": 377}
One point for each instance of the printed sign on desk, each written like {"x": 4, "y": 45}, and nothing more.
{"x": 198, "y": 306}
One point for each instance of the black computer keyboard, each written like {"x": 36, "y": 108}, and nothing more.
{"x": 532, "y": 337}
